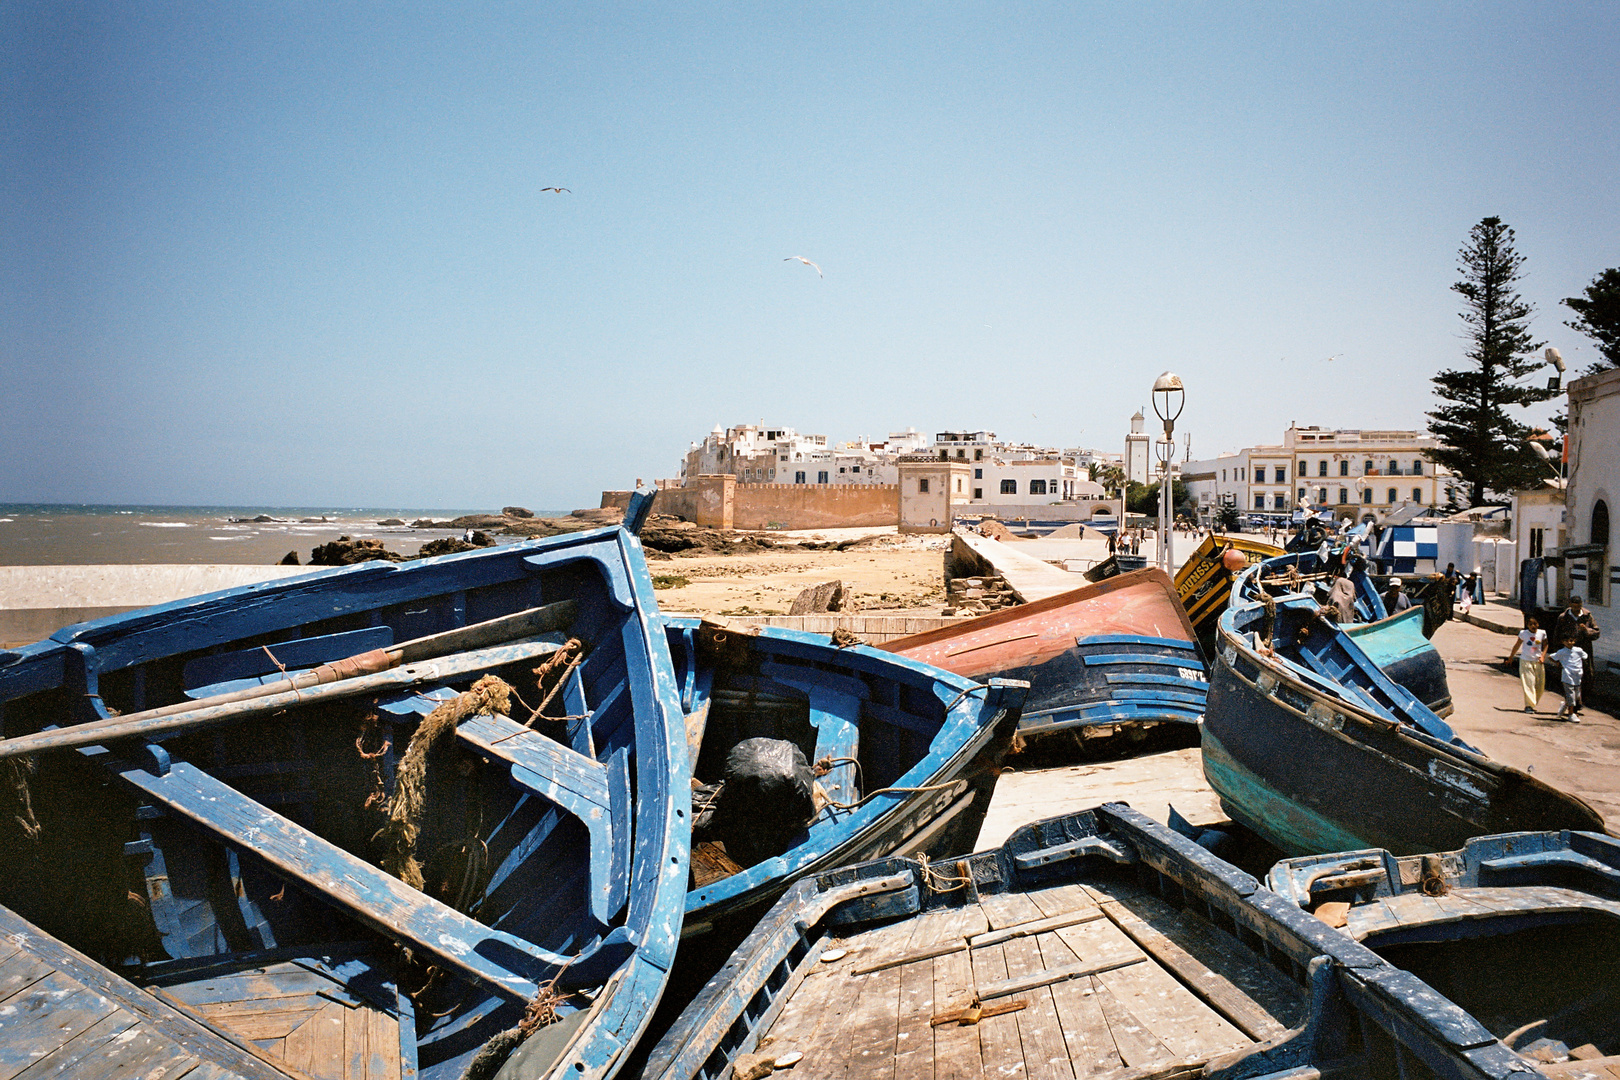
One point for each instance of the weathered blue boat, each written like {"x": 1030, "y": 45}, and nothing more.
{"x": 907, "y": 754}
{"x": 215, "y": 785}
{"x": 1521, "y": 929}
{"x": 1311, "y": 745}
{"x": 1096, "y": 944}
{"x": 1105, "y": 660}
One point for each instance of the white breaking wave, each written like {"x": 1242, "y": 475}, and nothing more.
{"x": 167, "y": 524}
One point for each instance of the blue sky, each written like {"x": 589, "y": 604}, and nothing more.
{"x": 298, "y": 253}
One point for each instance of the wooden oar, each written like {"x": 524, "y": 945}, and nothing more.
{"x": 357, "y": 674}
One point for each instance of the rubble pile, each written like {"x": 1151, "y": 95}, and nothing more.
{"x": 977, "y": 595}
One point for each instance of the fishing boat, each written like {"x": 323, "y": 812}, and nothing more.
{"x": 1311, "y": 745}
{"x": 1117, "y": 657}
{"x": 906, "y": 755}
{"x": 1204, "y": 582}
{"x": 1096, "y": 944}
{"x": 1522, "y": 930}
{"x": 1397, "y": 643}
{"x": 320, "y": 818}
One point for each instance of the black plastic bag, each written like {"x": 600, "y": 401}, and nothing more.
{"x": 764, "y": 802}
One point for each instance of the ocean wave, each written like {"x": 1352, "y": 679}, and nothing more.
{"x": 7, "y": 519}
{"x": 167, "y": 524}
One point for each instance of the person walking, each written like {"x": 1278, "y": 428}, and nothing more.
{"x": 1576, "y": 623}
{"x": 1571, "y": 661}
{"x": 1395, "y": 600}
{"x": 1531, "y": 649}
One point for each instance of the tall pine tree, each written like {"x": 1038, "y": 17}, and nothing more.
{"x": 1597, "y": 315}
{"x": 1479, "y": 442}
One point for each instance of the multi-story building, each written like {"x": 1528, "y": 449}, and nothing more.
{"x": 1007, "y": 475}
{"x": 1357, "y": 473}
{"x": 1594, "y": 485}
{"x": 761, "y": 455}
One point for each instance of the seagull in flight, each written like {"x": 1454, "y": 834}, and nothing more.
{"x": 1334, "y": 357}
{"x": 806, "y": 262}
{"x": 558, "y": 190}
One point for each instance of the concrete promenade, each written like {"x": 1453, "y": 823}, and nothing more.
{"x": 36, "y": 601}
{"x": 1583, "y": 759}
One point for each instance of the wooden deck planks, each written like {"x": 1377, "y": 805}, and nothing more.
{"x": 957, "y": 1049}
{"x": 914, "y": 1035}
{"x": 867, "y": 1044}
{"x": 1040, "y": 1030}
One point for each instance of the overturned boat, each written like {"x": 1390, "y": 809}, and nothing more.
{"x": 904, "y": 758}
{"x": 1102, "y": 660}
{"x": 399, "y": 818}
{"x": 1310, "y": 744}
{"x": 1096, "y": 944}
{"x": 1522, "y": 930}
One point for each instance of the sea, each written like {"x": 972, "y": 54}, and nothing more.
{"x": 73, "y": 534}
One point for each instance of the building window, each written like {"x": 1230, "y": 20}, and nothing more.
{"x": 1301, "y": 494}
{"x": 1344, "y": 468}
{"x": 1009, "y": 487}
{"x": 944, "y": 455}
{"x": 1321, "y": 496}
{"x": 1299, "y": 467}
{"x": 1344, "y": 496}
{"x": 1279, "y": 502}
{"x": 854, "y": 468}
{"x": 961, "y": 453}
{"x": 1259, "y": 502}
{"x": 1366, "y": 497}
{"x": 1223, "y": 476}
{"x": 1037, "y": 487}
{"x": 1417, "y": 466}
{"x": 978, "y": 493}
{"x": 978, "y": 455}
{"x": 1282, "y": 475}
{"x": 978, "y": 474}
{"x": 1417, "y": 495}
{"x": 1241, "y": 472}
{"x": 821, "y": 477}
{"x": 1392, "y": 496}
{"x": 922, "y": 487}
{"x": 1394, "y": 468}
{"x": 1538, "y": 542}
{"x": 1321, "y": 467}
{"x": 773, "y": 474}
{"x": 841, "y": 469}
{"x": 798, "y": 477}
{"x": 1367, "y": 469}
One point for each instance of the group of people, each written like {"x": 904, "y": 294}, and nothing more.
{"x": 1573, "y": 636}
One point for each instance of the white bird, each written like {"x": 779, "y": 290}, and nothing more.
{"x": 806, "y": 262}
{"x": 1334, "y": 357}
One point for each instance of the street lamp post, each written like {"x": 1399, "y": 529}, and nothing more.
{"x": 1168, "y": 399}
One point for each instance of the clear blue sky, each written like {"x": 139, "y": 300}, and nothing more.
{"x": 297, "y": 253}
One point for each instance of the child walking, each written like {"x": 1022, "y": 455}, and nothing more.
{"x": 1532, "y": 670}
{"x": 1572, "y": 659}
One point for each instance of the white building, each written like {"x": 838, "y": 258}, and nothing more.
{"x": 1358, "y": 473}
{"x": 756, "y": 454}
{"x": 1006, "y": 475}
{"x": 1594, "y": 483}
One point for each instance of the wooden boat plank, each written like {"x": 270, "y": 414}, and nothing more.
{"x": 821, "y": 1024}
{"x": 1040, "y": 1030}
{"x": 376, "y": 897}
{"x": 874, "y": 1033}
{"x": 64, "y": 1060}
{"x": 1278, "y": 999}
{"x": 1134, "y": 1039}
{"x": 256, "y": 1024}
{"x": 956, "y": 1048}
{"x": 914, "y": 1034}
{"x": 1000, "y": 1049}
{"x": 49, "y": 1012}
{"x": 327, "y": 1029}
{"x": 1086, "y": 1036}
{"x": 134, "y": 1052}
{"x": 382, "y": 1060}
{"x": 20, "y": 971}
{"x": 1220, "y": 993}
{"x": 1062, "y": 900}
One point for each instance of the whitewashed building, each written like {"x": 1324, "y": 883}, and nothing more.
{"x": 756, "y": 454}
{"x": 1006, "y": 476}
{"x": 1362, "y": 474}
{"x": 1593, "y": 486}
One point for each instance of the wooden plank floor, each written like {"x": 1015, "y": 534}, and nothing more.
{"x": 1175, "y": 991}
{"x": 64, "y": 1015}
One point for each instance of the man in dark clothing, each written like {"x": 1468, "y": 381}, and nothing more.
{"x": 1576, "y": 624}
{"x": 1396, "y": 600}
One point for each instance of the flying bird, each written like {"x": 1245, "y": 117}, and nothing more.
{"x": 558, "y": 190}
{"x": 806, "y": 262}
{"x": 1334, "y": 357}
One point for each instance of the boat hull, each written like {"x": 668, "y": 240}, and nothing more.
{"x": 933, "y": 741}
{"x": 1310, "y": 773}
{"x": 1117, "y": 653}
{"x": 1204, "y": 582}
{"x": 246, "y": 856}
{"x": 1398, "y": 646}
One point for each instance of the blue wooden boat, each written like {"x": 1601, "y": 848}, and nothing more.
{"x": 215, "y": 784}
{"x": 907, "y": 754}
{"x": 1112, "y": 659}
{"x": 1311, "y": 745}
{"x": 1096, "y": 944}
{"x": 1521, "y": 929}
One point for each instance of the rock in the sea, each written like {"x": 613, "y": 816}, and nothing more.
{"x": 263, "y": 518}
{"x": 428, "y": 523}
{"x": 290, "y": 559}
{"x": 346, "y": 552}
{"x": 390, "y": 521}
{"x": 517, "y": 512}
{"x": 450, "y": 545}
